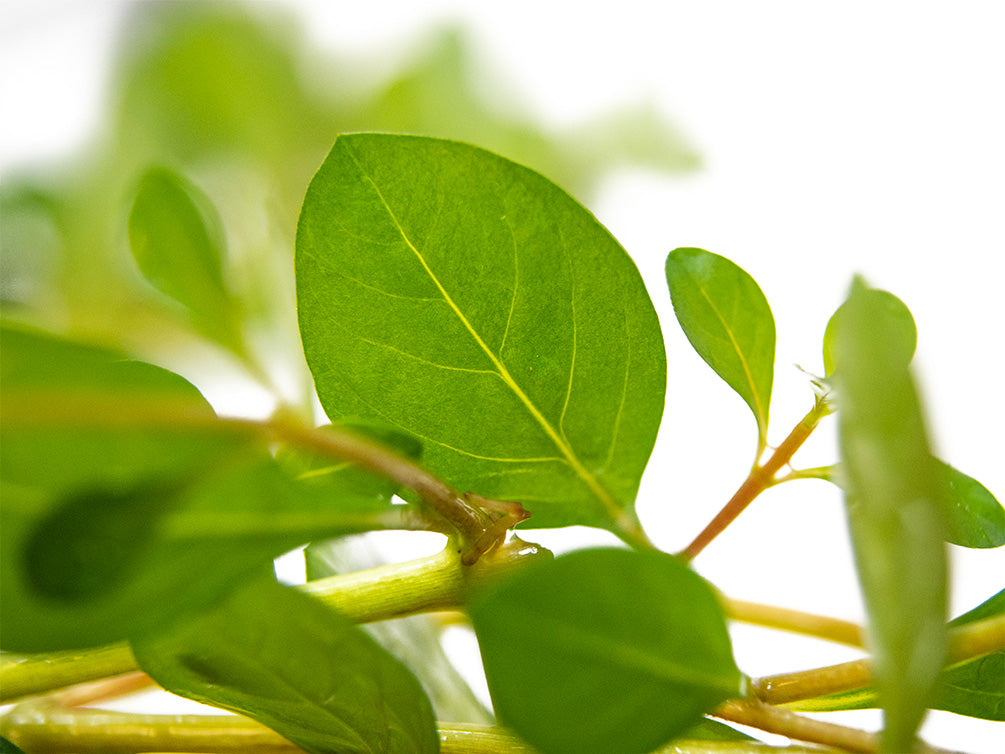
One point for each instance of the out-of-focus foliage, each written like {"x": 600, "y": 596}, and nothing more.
{"x": 233, "y": 99}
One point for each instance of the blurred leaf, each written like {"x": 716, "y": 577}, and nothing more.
{"x": 604, "y": 650}
{"x": 76, "y": 416}
{"x": 447, "y": 91}
{"x": 728, "y": 321}
{"x": 976, "y": 518}
{"x": 125, "y": 506}
{"x": 235, "y": 97}
{"x": 903, "y": 332}
{"x": 177, "y": 241}
{"x": 473, "y": 304}
{"x": 288, "y": 661}
{"x": 6, "y": 747}
{"x": 896, "y": 499}
{"x": 415, "y": 639}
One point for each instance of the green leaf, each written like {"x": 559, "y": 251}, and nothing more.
{"x": 973, "y": 687}
{"x": 903, "y": 332}
{"x": 102, "y": 565}
{"x": 896, "y": 500}
{"x": 473, "y": 304}
{"x": 177, "y": 241}
{"x": 297, "y": 666}
{"x": 124, "y": 505}
{"x": 6, "y": 747}
{"x": 976, "y": 518}
{"x": 976, "y": 688}
{"x": 728, "y": 321}
{"x": 604, "y": 650}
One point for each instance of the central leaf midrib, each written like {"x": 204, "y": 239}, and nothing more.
{"x": 761, "y": 418}
{"x": 591, "y": 481}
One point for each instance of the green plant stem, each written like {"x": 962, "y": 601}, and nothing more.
{"x": 965, "y": 643}
{"x": 783, "y": 722}
{"x": 437, "y": 582}
{"x": 471, "y": 521}
{"x": 34, "y": 674}
{"x": 759, "y": 479}
{"x": 822, "y": 627}
{"x": 48, "y": 730}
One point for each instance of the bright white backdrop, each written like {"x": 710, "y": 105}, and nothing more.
{"x": 860, "y": 137}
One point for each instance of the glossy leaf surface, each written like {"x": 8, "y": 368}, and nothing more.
{"x": 976, "y": 518}
{"x": 177, "y": 241}
{"x": 304, "y": 670}
{"x": 124, "y": 505}
{"x": 896, "y": 498}
{"x": 903, "y": 333}
{"x": 727, "y": 319}
{"x": 604, "y": 650}
{"x": 473, "y": 304}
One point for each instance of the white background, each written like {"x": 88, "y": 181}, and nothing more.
{"x": 836, "y": 138}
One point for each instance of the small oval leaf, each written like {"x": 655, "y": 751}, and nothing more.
{"x": 297, "y": 666}
{"x": 725, "y": 315}
{"x": 604, "y": 650}
{"x": 470, "y": 302}
{"x": 896, "y": 501}
{"x": 177, "y": 241}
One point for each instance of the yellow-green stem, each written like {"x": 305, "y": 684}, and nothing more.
{"x": 45, "y": 730}
{"x": 822, "y": 627}
{"x": 437, "y": 582}
{"x": 965, "y": 642}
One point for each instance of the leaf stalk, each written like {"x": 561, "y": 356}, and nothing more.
{"x": 759, "y": 479}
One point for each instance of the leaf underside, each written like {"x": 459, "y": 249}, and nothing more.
{"x": 473, "y": 304}
{"x": 295, "y": 665}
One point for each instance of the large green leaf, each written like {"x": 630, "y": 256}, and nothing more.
{"x": 177, "y": 241}
{"x": 124, "y": 504}
{"x": 974, "y": 687}
{"x": 728, "y": 321}
{"x": 475, "y": 305}
{"x": 299, "y": 667}
{"x": 897, "y": 498}
{"x": 604, "y": 650}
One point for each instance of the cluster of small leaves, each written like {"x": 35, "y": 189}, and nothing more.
{"x": 470, "y": 306}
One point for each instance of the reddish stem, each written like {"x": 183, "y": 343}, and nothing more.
{"x": 760, "y": 478}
